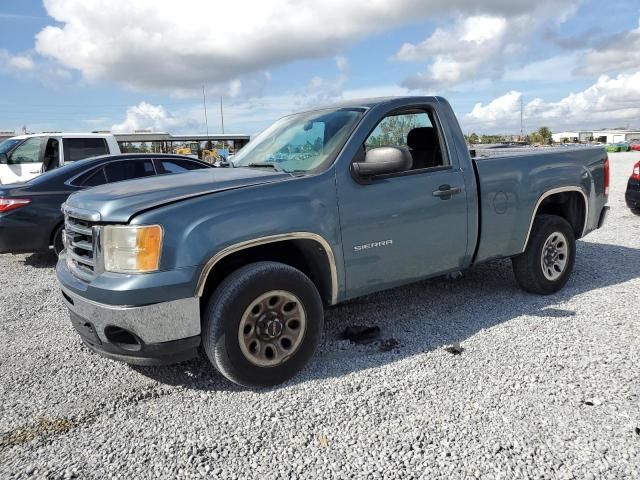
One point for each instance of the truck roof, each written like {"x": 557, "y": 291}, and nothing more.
{"x": 63, "y": 135}
{"x": 373, "y": 101}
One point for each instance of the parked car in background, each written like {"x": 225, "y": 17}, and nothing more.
{"x": 635, "y": 146}
{"x": 632, "y": 195}
{"x": 27, "y": 156}
{"x": 322, "y": 207}
{"x": 30, "y": 216}
{"x": 618, "y": 147}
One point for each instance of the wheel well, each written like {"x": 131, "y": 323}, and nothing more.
{"x": 306, "y": 255}
{"x": 569, "y": 205}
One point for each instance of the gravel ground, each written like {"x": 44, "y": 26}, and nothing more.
{"x": 546, "y": 387}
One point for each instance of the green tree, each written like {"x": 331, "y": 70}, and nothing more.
{"x": 473, "y": 138}
{"x": 393, "y": 130}
{"x": 545, "y": 134}
{"x": 536, "y": 138}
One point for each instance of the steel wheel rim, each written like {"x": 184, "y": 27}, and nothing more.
{"x": 554, "y": 256}
{"x": 272, "y": 328}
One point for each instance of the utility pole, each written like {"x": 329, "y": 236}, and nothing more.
{"x": 204, "y": 101}
{"x": 221, "y": 115}
{"x": 521, "y": 119}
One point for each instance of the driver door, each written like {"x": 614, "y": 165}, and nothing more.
{"x": 404, "y": 227}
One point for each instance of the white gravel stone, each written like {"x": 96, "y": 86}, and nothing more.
{"x": 546, "y": 387}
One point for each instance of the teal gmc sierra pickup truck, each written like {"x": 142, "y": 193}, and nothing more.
{"x": 321, "y": 207}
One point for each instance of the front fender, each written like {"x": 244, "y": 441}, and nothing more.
{"x": 198, "y": 230}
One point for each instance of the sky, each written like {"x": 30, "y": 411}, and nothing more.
{"x": 123, "y": 65}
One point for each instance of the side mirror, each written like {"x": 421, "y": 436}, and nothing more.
{"x": 384, "y": 160}
{"x": 4, "y": 160}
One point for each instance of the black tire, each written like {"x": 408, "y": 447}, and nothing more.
{"x": 635, "y": 211}
{"x": 221, "y": 323}
{"x": 58, "y": 246}
{"x": 528, "y": 267}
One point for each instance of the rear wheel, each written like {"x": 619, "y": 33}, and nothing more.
{"x": 549, "y": 258}
{"x": 263, "y": 324}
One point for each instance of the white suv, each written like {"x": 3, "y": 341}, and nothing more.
{"x": 27, "y": 156}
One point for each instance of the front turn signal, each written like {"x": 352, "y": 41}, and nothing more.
{"x": 132, "y": 249}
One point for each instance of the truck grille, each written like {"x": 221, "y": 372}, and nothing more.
{"x": 79, "y": 235}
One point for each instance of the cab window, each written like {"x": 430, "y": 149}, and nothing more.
{"x": 415, "y": 130}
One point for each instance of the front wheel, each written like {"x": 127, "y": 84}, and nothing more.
{"x": 263, "y": 324}
{"x": 547, "y": 262}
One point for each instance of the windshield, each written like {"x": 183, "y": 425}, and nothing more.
{"x": 303, "y": 142}
{"x": 8, "y": 145}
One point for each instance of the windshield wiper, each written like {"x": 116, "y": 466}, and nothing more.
{"x": 277, "y": 168}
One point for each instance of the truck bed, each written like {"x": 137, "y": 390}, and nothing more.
{"x": 511, "y": 181}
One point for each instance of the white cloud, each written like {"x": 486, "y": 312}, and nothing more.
{"x": 554, "y": 69}
{"x": 609, "y": 100}
{"x": 457, "y": 53}
{"x": 620, "y": 53}
{"x": 15, "y": 63}
{"x": 145, "y": 116}
{"x": 168, "y": 45}
{"x": 501, "y": 109}
{"x": 476, "y": 47}
{"x": 326, "y": 90}
{"x": 21, "y": 62}
{"x": 342, "y": 63}
{"x": 24, "y": 66}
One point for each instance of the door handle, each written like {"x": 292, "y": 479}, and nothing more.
{"x": 446, "y": 191}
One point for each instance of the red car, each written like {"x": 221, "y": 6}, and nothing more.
{"x": 635, "y": 146}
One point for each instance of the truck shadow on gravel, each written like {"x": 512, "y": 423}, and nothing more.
{"x": 41, "y": 260}
{"x": 429, "y": 315}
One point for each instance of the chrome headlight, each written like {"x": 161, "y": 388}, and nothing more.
{"x": 132, "y": 248}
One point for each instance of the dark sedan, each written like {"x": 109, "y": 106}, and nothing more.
{"x": 632, "y": 196}
{"x": 30, "y": 217}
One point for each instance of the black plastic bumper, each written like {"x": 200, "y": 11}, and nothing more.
{"x": 145, "y": 354}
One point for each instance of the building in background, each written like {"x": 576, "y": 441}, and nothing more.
{"x": 602, "y": 136}
{"x": 206, "y": 147}
{"x": 6, "y": 134}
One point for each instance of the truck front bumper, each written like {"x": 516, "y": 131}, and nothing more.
{"x": 155, "y": 334}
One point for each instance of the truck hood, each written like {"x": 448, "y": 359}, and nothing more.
{"x": 118, "y": 202}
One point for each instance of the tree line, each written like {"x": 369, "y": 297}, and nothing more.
{"x": 542, "y": 136}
